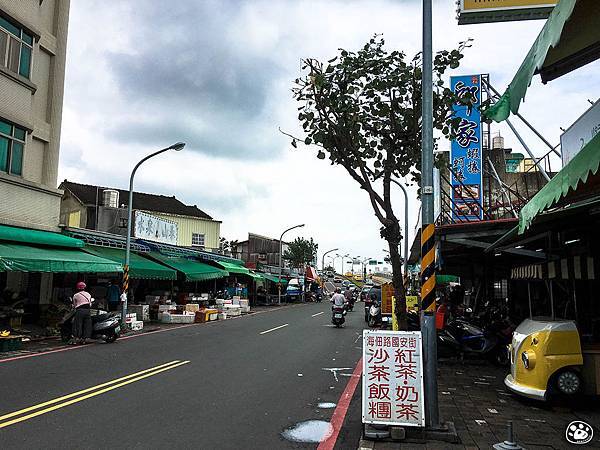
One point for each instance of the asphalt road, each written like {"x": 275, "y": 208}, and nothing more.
{"x": 247, "y": 380}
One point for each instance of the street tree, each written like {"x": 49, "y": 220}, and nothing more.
{"x": 301, "y": 252}
{"x": 362, "y": 109}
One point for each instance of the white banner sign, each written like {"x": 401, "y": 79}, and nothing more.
{"x": 580, "y": 133}
{"x": 392, "y": 388}
{"x": 152, "y": 228}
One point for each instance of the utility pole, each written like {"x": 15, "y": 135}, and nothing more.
{"x": 428, "y": 229}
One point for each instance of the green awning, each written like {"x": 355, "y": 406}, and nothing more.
{"x": 274, "y": 278}
{"x": 257, "y": 276}
{"x": 233, "y": 268}
{"x": 139, "y": 267}
{"x": 37, "y": 237}
{"x": 577, "y": 171}
{"x": 192, "y": 269}
{"x": 534, "y": 61}
{"x": 442, "y": 279}
{"x": 26, "y": 258}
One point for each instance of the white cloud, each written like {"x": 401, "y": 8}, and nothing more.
{"x": 282, "y": 187}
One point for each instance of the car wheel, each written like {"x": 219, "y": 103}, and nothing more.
{"x": 568, "y": 382}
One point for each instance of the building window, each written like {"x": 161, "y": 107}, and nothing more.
{"x": 16, "y": 48}
{"x": 12, "y": 143}
{"x": 197, "y": 240}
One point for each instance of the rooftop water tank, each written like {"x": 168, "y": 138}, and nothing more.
{"x": 110, "y": 198}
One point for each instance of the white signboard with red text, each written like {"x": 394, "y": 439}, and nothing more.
{"x": 392, "y": 388}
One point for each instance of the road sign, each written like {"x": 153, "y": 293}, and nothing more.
{"x": 392, "y": 387}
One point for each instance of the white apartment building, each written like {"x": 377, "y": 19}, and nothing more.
{"x": 33, "y": 41}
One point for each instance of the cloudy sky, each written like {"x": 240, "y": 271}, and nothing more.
{"x": 218, "y": 74}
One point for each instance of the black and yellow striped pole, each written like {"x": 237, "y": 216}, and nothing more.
{"x": 125, "y": 290}
{"x": 428, "y": 268}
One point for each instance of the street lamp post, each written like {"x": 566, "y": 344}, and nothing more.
{"x": 280, "y": 251}
{"x": 427, "y": 224}
{"x": 177, "y": 147}
{"x": 344, "y": 256}
{"x": 401, "y": 186}
{"x": 323, "y": 266}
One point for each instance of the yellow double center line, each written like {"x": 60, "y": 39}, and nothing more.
{"x": 66, "y": 400}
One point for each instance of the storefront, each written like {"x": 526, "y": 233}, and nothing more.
{"x": 38, "y": 272}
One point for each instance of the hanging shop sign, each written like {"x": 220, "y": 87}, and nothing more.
{"x": 580, "y": 133}
{"x": 152, "y": 228}
{"x": 465, "y": 150}
{"x": 485, "y": 11}
{"x": 372, "y": 262}
{"x": 387, "y": 297}
{"x": 392, "y": 387}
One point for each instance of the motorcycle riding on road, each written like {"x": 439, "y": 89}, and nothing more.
{"x": 338, "y": 310}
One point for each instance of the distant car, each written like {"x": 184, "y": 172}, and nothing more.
{"x": 346, "y": 283}
{"x": 338, "y": 280}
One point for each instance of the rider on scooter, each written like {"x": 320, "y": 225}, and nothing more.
{"x": 338, "y": 299}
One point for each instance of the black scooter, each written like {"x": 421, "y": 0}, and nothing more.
{"x": 338, "y": 315}
{"x": 105, "y": 325}
{"x": 463, "y": 338}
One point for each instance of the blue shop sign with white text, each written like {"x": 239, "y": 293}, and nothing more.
{"x": 465, "y": 152}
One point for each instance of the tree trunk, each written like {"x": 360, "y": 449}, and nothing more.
{"x": 398, "y": 282}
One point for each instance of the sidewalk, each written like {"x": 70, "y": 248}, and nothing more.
{"x": 472, "y": 395}
{"x": 54, "y": 343}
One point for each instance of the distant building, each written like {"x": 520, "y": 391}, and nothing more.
{"x": 105, "y": 209}
{"x": 509, "y": 180}
{"x": 258, "y": 251}
{"x": 33, "y": 41}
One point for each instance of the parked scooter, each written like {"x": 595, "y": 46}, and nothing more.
{"x": 105, "y": 325}
{"x": 463, "y": 338}
{"x": 338, "y": 314}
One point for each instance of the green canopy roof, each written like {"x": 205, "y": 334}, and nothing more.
{"x": 139, "y": 267}
{"x": 37, "y": 237}
{"x": 577, "y": 171}
{"x": 26, "y": 258}
{"x": 274, "y": 278}
{"x": 233, "y": 268}
{"x": 534, "y": 61}
{"x": 192, "y": 269}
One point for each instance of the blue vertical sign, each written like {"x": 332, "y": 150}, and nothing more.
{"x": 465, "y": 152}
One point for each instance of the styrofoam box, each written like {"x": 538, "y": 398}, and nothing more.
{"x": 232, "y": 310}
{"x": 177, "y": 318}
{"x": 213, "y": 316}
{"x": 222, "y": 316}
{"x": 192, "y": 307}
{"x": 162, "y": 308}
{"x": 245, "y": 309}
{"x": 136, "y": 325}
{"x": 142, "y": 311}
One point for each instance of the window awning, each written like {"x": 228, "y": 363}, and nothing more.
{"x": 37, "y": 237}
{"x": 192, "y": 269}
{"x": 139, "y": 267}
{"x": 584, "y": 164}
{"x": 26, "y": 258}
{"x": 570, "y": 39}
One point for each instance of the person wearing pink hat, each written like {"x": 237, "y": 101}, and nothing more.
{"x": 82, "y": 322}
